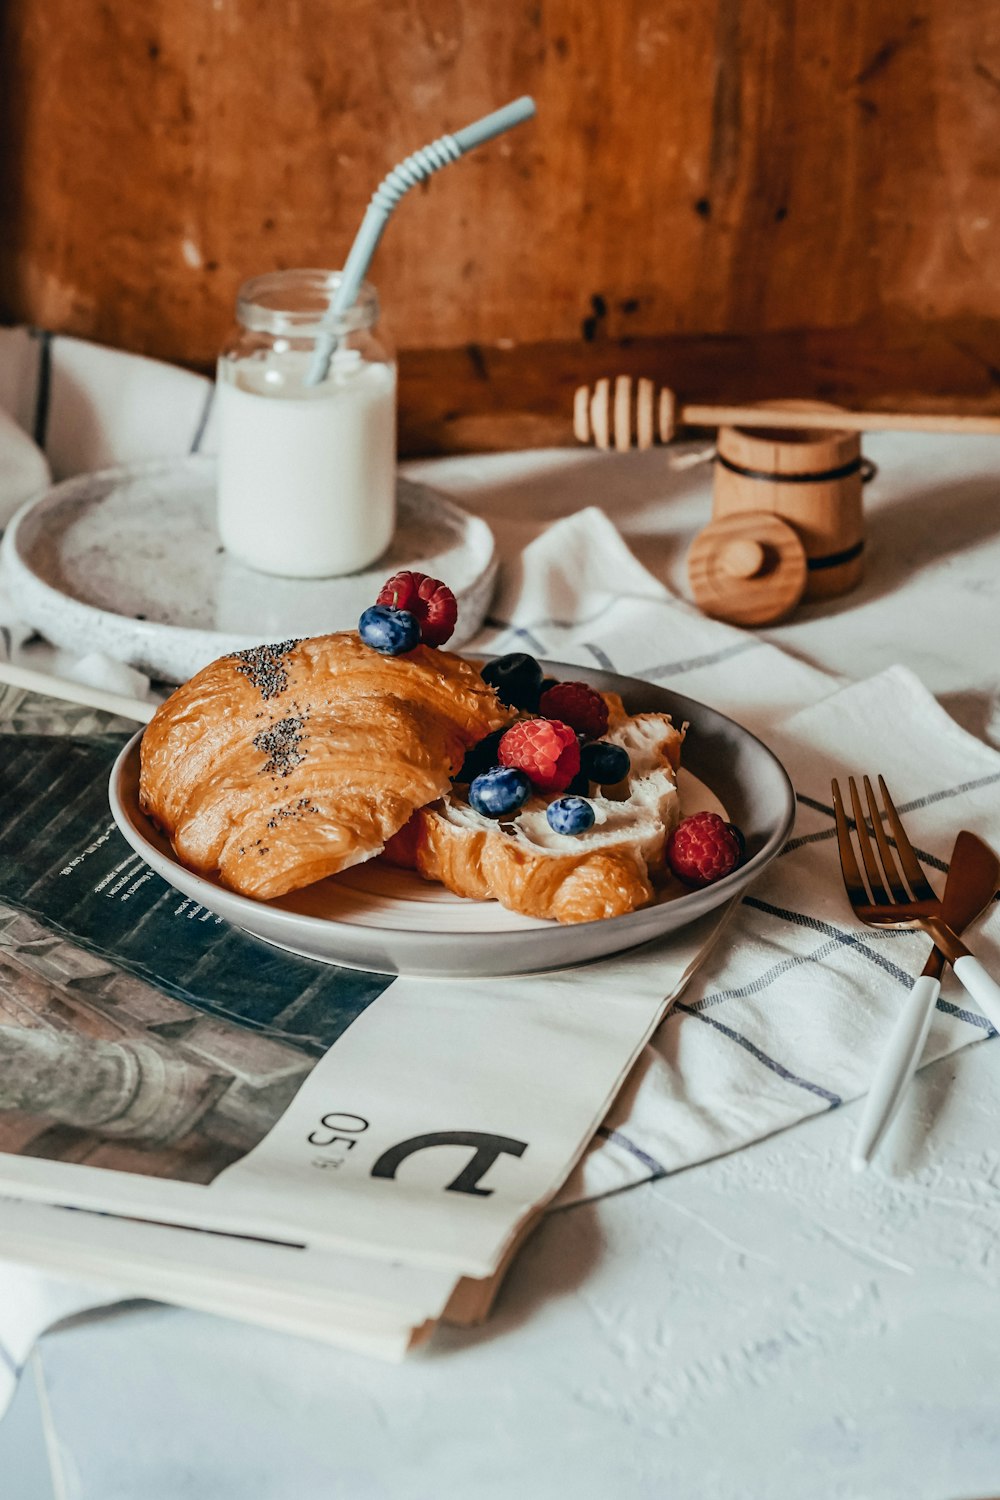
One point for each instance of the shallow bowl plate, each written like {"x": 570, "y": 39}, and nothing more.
{"x": 391, "y": 921}
{"x": 129, "y": 560}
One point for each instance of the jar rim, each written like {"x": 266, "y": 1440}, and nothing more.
{"x": 298, "y": 301}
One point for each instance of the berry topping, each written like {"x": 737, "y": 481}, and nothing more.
{"x": 545, "y": 750}
{"x": 428, "y": 599}
{"x": 737, "y": 834}
{"x": 570, "y": 815}
{"x": 391, "y": 631}
{"x": 606, "y": 764}
{"x": 546, "y": 683}
{"x": 499, "y": 791}
{"x": 578, "y": 705}
{"x": 517, "y": 679}
{"x": 703, "y": 848}
{"x": 481, "y": 757}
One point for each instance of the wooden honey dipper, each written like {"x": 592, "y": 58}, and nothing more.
{"x": 632, "y": 414}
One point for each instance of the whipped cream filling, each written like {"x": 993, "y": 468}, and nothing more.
{"x": 641, "y": 812}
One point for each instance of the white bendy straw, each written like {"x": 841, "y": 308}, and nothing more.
{"x": 407, "y": 174}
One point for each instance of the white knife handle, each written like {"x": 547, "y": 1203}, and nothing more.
{"x": 984, "y": 990}
{"x": 896, "y": 1067}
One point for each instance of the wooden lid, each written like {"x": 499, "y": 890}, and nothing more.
{"x": 786, "y": 450}
{"x": 748, "y": 568}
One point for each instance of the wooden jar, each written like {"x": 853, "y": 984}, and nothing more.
{"x": 809, "y": 479}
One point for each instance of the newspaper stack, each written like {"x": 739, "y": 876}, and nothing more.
{"x": 188, "y": 1114}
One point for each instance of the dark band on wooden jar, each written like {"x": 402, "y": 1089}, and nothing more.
{"x": 821, "y": 476}
{"x": 836, "y": 559}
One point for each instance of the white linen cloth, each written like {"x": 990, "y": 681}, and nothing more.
{"x": 787, "y": 1016}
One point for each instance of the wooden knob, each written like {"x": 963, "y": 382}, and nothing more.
{"x": 748, "y": 568}
{"x": 743, "y": 557}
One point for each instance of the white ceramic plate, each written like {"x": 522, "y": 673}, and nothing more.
{"x": 393, "y": 922}
{"x": 130, "y": 561}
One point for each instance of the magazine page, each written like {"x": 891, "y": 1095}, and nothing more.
{"x": 138, "y": 1253}
{"x": 158, "y": 1063}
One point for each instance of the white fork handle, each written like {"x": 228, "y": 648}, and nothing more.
{"x": 896, "y": 1067}
{"x": 984, "y": 990}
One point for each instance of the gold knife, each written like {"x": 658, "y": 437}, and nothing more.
{"x": 973, "y": 878}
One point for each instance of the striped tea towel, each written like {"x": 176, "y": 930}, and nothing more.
{"x": 791, "y": 1010}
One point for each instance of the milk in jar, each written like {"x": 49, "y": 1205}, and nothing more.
{"x": 306, "y": 473}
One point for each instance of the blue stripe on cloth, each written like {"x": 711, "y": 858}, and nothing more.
{"x": 550, "y": 622}
{"x": 206, "y": 412}
{"x": 755, "y": 986}
{"x": 770, "y": 975}
{"x": 832, "y": 1100}
{"x": 520, "y": 631}
{"x": 823, "y": 807}
{"x": 954, "y": 791}
{"x": 849, "y": 940}
{"x": 917, "y": 802}
{"x": 691, "y": 663}
{"x": 823, "y": 834}
{"x": 903, "y": 807}
{"x": 600, "y": 656}
{"x": 657, "y": 1169}
{"x": 971, "y": 1016}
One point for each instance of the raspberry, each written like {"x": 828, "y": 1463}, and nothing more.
{"x": 430, "y": 600}
{"x": 578, "y": 705}
{"x": 703, "y": 848}
{"x": 546, "y": 750}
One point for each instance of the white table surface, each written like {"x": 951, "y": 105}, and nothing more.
{"x": 766, "y": 1325}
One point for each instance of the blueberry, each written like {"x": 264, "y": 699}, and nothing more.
{"x": 499, "y": 791}
{"x": 580, "y": 785}
{"x": 391, "y": 631}
{"x": 546, "y": 683}
{"x": 517, "y": 679}
{"x": 480, "y": 758}
{"x": 570, "y": 815}
{"x": 605, "y": 763}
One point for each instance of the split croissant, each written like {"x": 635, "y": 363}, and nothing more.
{"x": 279, "y": 766}
{"x": 523, "y": 864}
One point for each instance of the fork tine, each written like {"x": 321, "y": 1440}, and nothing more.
{"x": 919, "y": 884}
{"x": 899, "y": 891}
{"x": 852, "y": 875}
{"x": 876, "y": 884}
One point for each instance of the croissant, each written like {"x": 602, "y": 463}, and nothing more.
{"x": 278, "y": 766}
{"x": 523, "y": 864}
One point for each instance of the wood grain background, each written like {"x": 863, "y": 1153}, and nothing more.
{"x": 745, "y": 197}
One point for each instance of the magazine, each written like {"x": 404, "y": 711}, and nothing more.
{"x": 208, "y": 1119}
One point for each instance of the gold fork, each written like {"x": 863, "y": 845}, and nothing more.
{"x": 886, "y": 901}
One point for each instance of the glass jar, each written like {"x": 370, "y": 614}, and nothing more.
{"x": 307, "y": 472}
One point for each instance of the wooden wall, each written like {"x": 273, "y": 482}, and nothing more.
{"x": 751, "y": 196}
